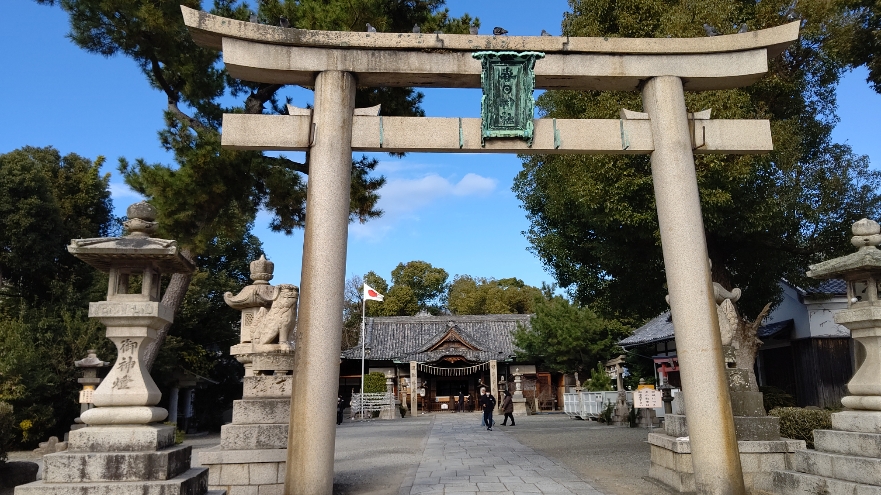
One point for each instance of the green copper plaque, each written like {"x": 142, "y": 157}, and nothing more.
{"x": 507, "y": 107}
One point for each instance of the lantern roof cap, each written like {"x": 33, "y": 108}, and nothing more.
{"x": 867, "y": 236}
{"x": 135, "y": 250}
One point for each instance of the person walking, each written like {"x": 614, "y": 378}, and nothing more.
{"x": 508, "y": 408}
{"x": 488, "y": 403}
{"x": 461, "y": 400}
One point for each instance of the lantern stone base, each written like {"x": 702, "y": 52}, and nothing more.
{"x": 671, "y": 461}
{"x": 120, "y": 460}
{"x": 844, "y": 461}
{"x": 520, "y": 406}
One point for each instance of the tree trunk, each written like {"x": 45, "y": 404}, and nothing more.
{"x": 173, "y": 298}
{"x": 746, "y": 344}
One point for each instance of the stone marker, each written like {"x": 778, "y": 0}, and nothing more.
{"x": 124, "y": 450}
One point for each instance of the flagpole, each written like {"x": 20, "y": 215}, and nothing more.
{"x": 363, "y": 312}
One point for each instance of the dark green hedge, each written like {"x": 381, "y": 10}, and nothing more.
{"x": 7, "y": 430}
{"x": 799, "y": 424}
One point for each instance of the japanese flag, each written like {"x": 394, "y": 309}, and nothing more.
{"x": 371, "y": 295}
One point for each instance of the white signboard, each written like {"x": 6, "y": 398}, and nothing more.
{"x": 647, "y": 399}
{"x": 86, "y": 396}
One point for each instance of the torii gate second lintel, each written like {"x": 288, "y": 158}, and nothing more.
{"x": 662, "y": 69}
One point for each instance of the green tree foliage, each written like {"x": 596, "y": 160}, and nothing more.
{"x": 566, "y": 337}
{"x": 374, "y": 383}
{"x": 426, "y": 283}
{"x": 46, "y": 200}
{"x": 213, "y": 191}
{"x": 593, "y": 218}
{"x": 469, "y": 295}
{"x": 599, "y": 380}
{"x": 858, "y": 41}
{"x": 416, "y": 286}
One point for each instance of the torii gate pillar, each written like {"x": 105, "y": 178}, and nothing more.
{"x": 698, "y": 340}
{"x": 312, "y": 431}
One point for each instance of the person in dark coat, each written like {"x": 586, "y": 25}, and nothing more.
{"x": 461, "y": 400}
{"x": 508, "y": 408}
{"x": 340, "y": 406}
{"x": 488, "y": 403}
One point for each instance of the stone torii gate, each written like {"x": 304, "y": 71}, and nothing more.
{"x": 334, "y": 63}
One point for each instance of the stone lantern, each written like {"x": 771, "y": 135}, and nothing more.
{"x": 518, "y": 399}
{"x": 128, "y": 395}
{"x": 124, "y": 448}
{"x": 862, "y": 273}
{"x": 90, "y": 380}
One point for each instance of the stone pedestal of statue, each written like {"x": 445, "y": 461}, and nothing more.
{"x": 253, "y": 448}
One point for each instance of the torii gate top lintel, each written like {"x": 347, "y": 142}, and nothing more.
{"x": 271, "y": 54}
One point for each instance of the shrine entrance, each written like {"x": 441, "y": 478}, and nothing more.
{"x": 507, "y": 69}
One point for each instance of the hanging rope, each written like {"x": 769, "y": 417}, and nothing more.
{"x": 436, "y": 370}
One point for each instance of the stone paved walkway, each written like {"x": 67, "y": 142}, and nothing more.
{"x": 461, "y": 457}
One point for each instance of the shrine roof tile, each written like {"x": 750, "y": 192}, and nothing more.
{"x": 409, "y": 338}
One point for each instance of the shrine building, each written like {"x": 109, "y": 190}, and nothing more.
{"x": 434, "y": 358}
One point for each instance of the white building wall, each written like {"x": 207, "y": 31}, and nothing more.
{"x": 822, "y": 313}
{"x": 792, "y": 308}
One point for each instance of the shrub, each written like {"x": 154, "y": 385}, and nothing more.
{"x": 374, "y": 383}
{"x": 606, "y": 413}
{"x": 799, "y": 424}
{"x": 7, "y": 430}
{"x": 773, "y": 397}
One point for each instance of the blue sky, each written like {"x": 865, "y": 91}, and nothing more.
{"x": 454, "y": 211}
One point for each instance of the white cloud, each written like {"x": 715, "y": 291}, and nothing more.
{"x": 120, "y": 191}
{"x": 401, "y": 199}
{"x": 475, "y": 185}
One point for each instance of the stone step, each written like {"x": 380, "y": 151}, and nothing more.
{"x": 192, "y": 482}
{"x": 254, "y": 437}
{"x": 73, "y": 467}
{"x": 842, "y": 467}
{"x": 794, "y": 483}
{"x": 261, "y": 411}
{"x": 848, "y": 443}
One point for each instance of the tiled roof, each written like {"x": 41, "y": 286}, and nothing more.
{"x": 660, "y": 328}
{"x": 408, "y": 338}
{"x": 772, "y": 329}
{"x": 832, "y": 286}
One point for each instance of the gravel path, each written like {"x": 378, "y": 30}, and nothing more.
{"x": 613, "y": 459}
